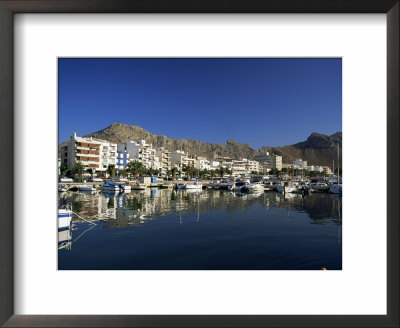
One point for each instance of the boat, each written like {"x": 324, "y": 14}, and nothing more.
{"x": 319, "y": 186}
{"x": 237, "y": 186}
{"x": 180, "y": 186}
{"x": 62, "y": 189}
{"x": 125, "y": 187}
{"x": 110, "y": 186}
{"x": 287, "y": 187}
{"x": 194, "y": 186}
{"x": 336, "y": 188}
{"x": 139, "y": 186}
{"x": 254, "y": 187}
{"x": 64, "y": 217}
{"x": 86, "y": 188}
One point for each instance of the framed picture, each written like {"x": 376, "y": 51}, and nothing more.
{"x": 281, "y": 251}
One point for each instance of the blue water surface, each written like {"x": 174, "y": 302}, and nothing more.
{"x": 207, "y": 230}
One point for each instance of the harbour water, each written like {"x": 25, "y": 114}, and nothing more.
{"x": 157, "y": 229}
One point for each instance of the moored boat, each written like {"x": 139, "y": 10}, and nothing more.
{"x": 194, "y": 186}
{"x": 287, "y": 187}
{"x": 110, "y": 186}
{"x": 254, "y": 187}
{"x": 86, "y": 188}
{"x": 336, "y": 188}
{"x": 64, "y": 217}
{"x": 139, "y": 186}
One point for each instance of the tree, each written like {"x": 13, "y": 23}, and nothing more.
{"x": 135, "y": 168}
{"x": 77, "y": 169}
{"x": 174, "y": 170}
{"x": 123, "y": 173}
{"x": 64, "y": 170}
{"x": 90, "y": 171}
{"x": 111, "y": 170}
{"x": 221, "y": 171}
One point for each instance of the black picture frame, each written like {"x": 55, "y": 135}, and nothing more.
{"x": 10, "y": 7}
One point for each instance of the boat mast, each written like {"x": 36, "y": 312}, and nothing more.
{"x": 338, "y": 163}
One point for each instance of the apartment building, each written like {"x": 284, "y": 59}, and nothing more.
{"x": 179, "y": 160}
{"x": 272, "y": 161}
{"x": 202, "y": 163}
{"x": 245, "y": 165}
{"x": 141, "y": 151}
{"x": 92, "y": 153}
{"x": 122, "y": 160}
{"x": 299, "y": 163}
{"x": 164, "y": 157}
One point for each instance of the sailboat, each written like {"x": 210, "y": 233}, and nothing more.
{"x": 336, "y": 188}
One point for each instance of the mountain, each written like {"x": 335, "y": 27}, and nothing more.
{"x": 318, "y": 149}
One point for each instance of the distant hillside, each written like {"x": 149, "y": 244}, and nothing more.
{"x": 318, "y": 149}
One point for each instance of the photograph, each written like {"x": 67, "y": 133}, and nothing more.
{"x": 199, "y": 163}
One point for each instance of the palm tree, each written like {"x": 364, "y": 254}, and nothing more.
{"x": 174, "y": 170}
{"x": 221, "y": 171}
{"x": 111, "y": 170}
{"x": 123, "y": 173}
{"x": 90, "y": 171}
{"x": 135, "y": 168}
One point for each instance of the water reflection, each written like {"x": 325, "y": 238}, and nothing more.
{"x": 208, "y": 229}
{"x": 137, "y": 207}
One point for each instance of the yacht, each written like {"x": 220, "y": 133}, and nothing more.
{"x": 287, "y": 187}
{"x": 254, "y": 187}
{"x": 238, "y": 186}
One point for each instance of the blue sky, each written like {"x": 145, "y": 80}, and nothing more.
{"x": 260, "y": 101}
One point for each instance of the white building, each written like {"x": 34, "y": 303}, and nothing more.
{"x": 141, "y": 151}
{"x": 300, "y": 163}
{"x": 245, "y": 166}
{"x": 202, "y": 163}
{"x": 92, "y": 153}
{"x": 122, "y": 160}
{"x": 164, "y": 158}
{"x": 179, "y": 160}
{"x": 272, "y": 161}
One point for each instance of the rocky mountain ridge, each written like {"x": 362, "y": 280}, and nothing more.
{"x": 318, "y": 149}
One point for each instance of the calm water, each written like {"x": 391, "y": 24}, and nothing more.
{"x": 211, "y": 230}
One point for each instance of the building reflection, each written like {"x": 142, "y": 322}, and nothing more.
{"x": 138, "y": 207}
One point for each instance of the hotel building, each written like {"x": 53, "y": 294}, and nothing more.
{"x": 95, "y": 154}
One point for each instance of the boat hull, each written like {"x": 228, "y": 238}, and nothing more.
{"x": 64, "y": 219}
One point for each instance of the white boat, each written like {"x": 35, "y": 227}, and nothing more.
{"x": 287, "y": 187}
{"x": 254, "y": 187}
{"x": 194, "y": 186}
{"x": 64, "y": 217}
{"x": 336, "y": 188}
{"x": 86, "y": 188}
{"x": 126, "y": 187}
